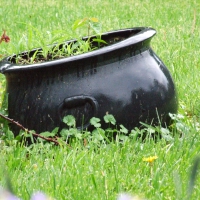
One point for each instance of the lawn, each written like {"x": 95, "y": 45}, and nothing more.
{"x": 102, "y": 171}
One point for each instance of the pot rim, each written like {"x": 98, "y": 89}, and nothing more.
{"x": 144, "y": 34}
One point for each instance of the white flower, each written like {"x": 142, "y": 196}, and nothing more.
{"x": 124, "y": 196}
{"x": 5, "y": 195}
{"x": 39, "y": 196}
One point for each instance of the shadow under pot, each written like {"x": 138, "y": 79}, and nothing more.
{"x": 124, "y": 78}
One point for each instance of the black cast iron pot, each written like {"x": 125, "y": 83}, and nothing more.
{"x": 126, "y": 79}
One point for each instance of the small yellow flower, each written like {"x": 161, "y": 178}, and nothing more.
{"x": 150, "y": 159}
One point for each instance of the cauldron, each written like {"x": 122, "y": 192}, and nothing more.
{"x": 125, "y": 78}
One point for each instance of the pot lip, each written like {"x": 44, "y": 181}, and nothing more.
{"x": 144, "y": 34}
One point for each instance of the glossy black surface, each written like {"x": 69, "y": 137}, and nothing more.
{"x": 125, "y": 79}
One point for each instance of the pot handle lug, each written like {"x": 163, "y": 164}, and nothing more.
{"x": 79, "y": 106}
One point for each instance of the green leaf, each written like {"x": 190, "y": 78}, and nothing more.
{"x": 55, "y": 130}
{"x": 95, "y": 122}
{"x": 9, "y": 134}
{"x": 78, "y": 23}
{"x": 96, "y": 135}
{"x": 109, "y": 119}
{"x": 79, "y": 136}
{"x": 99, "y": 41}
{"x": 123, "y": 137}
{"x": 73, "y": 131}
{"x": 18, "y": 137}
{"x": 69, "y": 120}
{"x": 65, "y": 133}
{"x": 48, "y": 134}
{"x": 123, "y": 129}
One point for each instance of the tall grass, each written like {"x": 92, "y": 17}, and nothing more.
{"x": 101, "y": 173}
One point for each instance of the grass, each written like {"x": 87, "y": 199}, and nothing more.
{"x": 101, "y": 173}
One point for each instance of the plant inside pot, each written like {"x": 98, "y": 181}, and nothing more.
{"x": 68, "y": 48}
{"x": 118, "y": 73}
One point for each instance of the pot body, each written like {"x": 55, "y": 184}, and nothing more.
{"x": 126, "y": 79}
